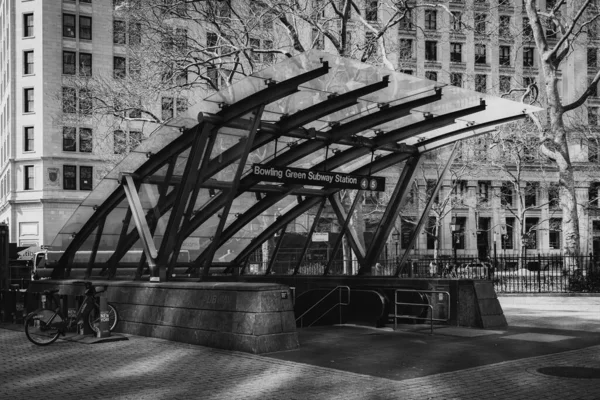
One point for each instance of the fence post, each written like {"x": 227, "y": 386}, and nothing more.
{"x": 539, "y": 272}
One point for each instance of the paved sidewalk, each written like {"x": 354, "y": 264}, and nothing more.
{"x": 147, "y": 368}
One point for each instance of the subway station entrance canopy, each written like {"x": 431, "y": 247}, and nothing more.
{"x": 203, "y": 193}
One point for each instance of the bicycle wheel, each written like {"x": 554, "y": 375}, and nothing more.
{"x": 38, "y": 329}
{"x": 94, "y": 318}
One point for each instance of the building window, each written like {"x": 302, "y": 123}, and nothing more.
{"x": 456, "y": 52}
{"x": 405, "y": 23}
{"x": 528, "y": 57}
{"x": 592, "y": 116}
{"x": 430, "y": 50}
{"x": 431, "y": 19}
{"x": 28, "y": 100}
{"x": 69, "y": 25}
{"x": 480, "y": 22}
{"x": 69, "y": 100}
{"x": 85, "y": 64}
{"x": 69, "y": 138}
{"x": 481, "y": 83}
{"x": 480, "y": 54}
{"x": 135, "y": 33}
{"x": 135, "y": 71}
{"x": 181, "y": 106}
{"x": 85, "y": 178}
{"x": 506, "y": 194}
{"x": 85, "y": 28}
{"x": 85, "y": 102}
{"x": 28, "y": 175}
{"x": 119, "y": 32}
{"x": 27, "y": 25}
{"x": 120, "y": 142}
{"x": 456, "y": 21}
{"x": 456, "y": 79}
{"x": 551, "y": 30}
{"x": 180, "y": 39}
{"x": 167, "y": 108}
{"x": 592, "y": 57}
{"x": 528, "y": 80}
{"x": 504, "y": 28}
{"x": 68, "y": 62}
{"x": 407, "y": 71}
{"x": 527, "y": 31}
{"x": 407, "y": 227}
{"x": 459, "y": 236}
{"x": 554, "y": 196}
{"x": 119, "y": 67}
{"x": 406, "y": 49}
{"x": 85, "y": 140}
{"x": 135, "y": 138}
{"x": 555, "y": 231}
{"x": 431, "y": 75}
{"x": 531, "y": 241}
{"x": 213, "y": 77}
{"x": 505, "y": 56}
{"x": 531, "y": 189}
{"x": 593, "y": 194}
{"x": 507, "y": 239}
{"x": 371, "y": 10}
{"x": 504, "y": 84}
{"x": 593, "y": 150}
{"x": 483, "y": 190}
{"x": 431, "y": 233}
{"x": 28, "y": 62}
{"x": 69, "y": 177}
{"x": 593, "y": 89}
{"x": 28, "y": 139}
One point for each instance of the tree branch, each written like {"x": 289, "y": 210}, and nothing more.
{"x": 584, "y": 96}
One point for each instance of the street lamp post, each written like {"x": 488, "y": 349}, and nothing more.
{"x": 453, "y": 229}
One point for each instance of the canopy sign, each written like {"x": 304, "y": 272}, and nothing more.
{"x": 318, "y": 178}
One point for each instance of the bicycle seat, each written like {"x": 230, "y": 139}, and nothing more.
{"x": 49, "y": 292}
{"x": 100, "y": 289}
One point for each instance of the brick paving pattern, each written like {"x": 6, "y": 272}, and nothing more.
{"x": 148, "y": 368}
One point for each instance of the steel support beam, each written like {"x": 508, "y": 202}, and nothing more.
{"x": 189, "y": 212}
{"x": 338, "y": 207}
{"x": 309, "y": 236}
{"x": 391, "y": 213}
{"x": 203, "y": 130}
{"x": 274, "y": 91}
{"x": 275, "y": 251}
{"x": 141, "y": 224}
{"x": 232, "y": 194}
{"x": 425, "y": 213}
{"x": 88, "y": 271}
{"x": 278, "y": 224}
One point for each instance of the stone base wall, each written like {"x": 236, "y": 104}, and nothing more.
{"x": 251, "y": 317}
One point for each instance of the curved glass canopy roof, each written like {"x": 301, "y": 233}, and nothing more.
{"x": 186, "y": 200}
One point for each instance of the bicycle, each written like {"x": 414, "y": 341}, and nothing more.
{"x": 44, "y": 325}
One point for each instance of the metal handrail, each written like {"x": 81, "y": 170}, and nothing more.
{"x": 339, "y": 303}
{"x": 431, "y": 307}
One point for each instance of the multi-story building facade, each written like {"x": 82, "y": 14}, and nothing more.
{"x": 51, "y": 147}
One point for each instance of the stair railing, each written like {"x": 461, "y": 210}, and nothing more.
{"x": 338, "y": 304}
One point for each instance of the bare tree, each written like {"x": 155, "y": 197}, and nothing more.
{"x": 526, "y": 173}
{"x": 575, "y": 21}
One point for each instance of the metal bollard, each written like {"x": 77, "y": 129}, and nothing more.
{"x": 104, "y": 330}
{"x": 10, "y": 305}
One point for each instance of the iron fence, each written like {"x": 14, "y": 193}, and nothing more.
{"x": 510, "y": 274}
